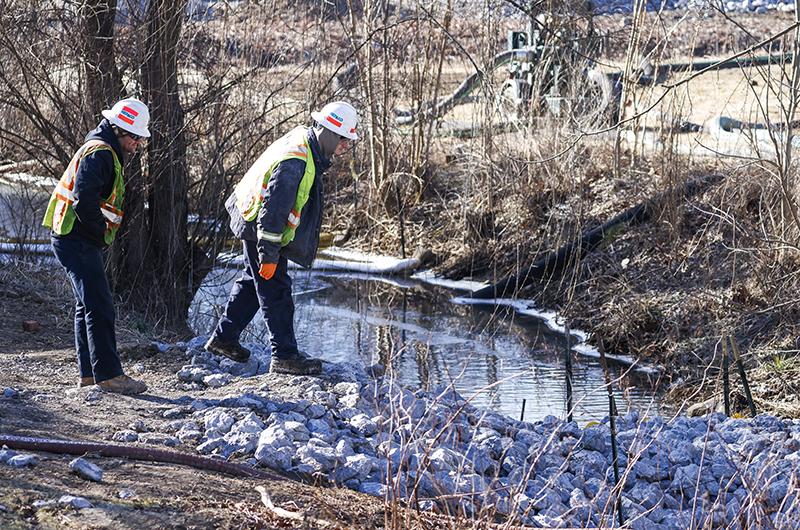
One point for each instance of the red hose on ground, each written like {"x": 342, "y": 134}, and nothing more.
{"x": 134, "y": 453}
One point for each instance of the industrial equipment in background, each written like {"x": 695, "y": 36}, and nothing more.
{"x": 551, "y": 71}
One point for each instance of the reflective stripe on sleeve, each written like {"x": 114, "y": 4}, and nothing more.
{"x": 269, "y": 236}
{"x": 294, "y": 219}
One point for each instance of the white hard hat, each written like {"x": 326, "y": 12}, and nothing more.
{"x": 339, "y": 117}
{"x": 131, "y": 115}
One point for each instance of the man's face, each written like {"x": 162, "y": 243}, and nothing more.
{"x": 342, "y": 146}
{"x": 128, "y": 144}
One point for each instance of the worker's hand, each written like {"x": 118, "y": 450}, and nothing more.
{"x": 267, "y": 270}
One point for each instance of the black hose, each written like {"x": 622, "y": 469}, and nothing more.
{"x": 657, "y": 74}
{"x": 696, "y": 66}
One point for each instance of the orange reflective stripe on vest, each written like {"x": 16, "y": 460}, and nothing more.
{"x": 60, "y": 216}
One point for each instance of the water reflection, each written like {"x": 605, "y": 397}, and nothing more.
{"x": 490, "y": 352}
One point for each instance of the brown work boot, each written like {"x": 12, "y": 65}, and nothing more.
{"x": 235, "y": 352}
{"x": 298, "y": 364}
{"x": 122, "y": 384}
{"x": 86, "y": 381}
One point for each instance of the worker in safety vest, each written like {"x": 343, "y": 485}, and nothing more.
{"x": 84, "y": 213}
{"x": 276, "y": 210}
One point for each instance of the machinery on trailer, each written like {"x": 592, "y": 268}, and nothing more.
{"x": 551, "y": 71}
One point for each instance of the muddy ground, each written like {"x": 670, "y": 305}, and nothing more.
{"x": 648, "y": 293}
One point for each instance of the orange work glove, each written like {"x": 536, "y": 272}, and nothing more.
{"x": 267, "y": 270}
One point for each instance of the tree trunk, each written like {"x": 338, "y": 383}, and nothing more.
{"x": 169, "y": 261}
{"x": 103, "y": 80}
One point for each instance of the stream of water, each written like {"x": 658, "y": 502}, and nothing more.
{"x": 497, "y": 354}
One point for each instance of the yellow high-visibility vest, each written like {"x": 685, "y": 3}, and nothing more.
{"x": 251, "y": 190}
{"x": 60, "y": 215}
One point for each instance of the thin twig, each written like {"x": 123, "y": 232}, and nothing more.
{"x": 295, "y": 516}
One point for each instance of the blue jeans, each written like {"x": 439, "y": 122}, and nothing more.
{"x": 95, "y": 338}
{"x": 273, "y": 296}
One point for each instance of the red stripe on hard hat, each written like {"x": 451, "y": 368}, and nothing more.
{"x": 127, "y": 115}
{"x": 337, "y": 123}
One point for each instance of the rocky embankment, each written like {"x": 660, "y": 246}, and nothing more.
{"x": 360, "y": 430}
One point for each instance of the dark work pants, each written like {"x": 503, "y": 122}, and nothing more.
{"x": 95, "y": 338}
{"x": 273, "y": 296}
